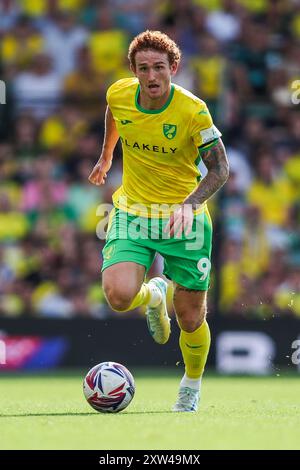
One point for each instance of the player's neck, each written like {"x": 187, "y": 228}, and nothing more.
{"x": 147, "y": 102}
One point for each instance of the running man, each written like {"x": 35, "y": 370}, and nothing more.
{"x": 164, "y": 130}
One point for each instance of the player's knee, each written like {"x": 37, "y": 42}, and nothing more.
{"x": 189, "y": 321}
{"x": 119, "y": 300}
{"x": 190, "y": 325}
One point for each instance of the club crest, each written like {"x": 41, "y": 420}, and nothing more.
{"x": 169, "y": 130}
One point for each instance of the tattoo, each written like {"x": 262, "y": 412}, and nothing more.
{"x": 216, "y": 162}
{"x": 177, "y": 288}
{"x": 182, "y": 289}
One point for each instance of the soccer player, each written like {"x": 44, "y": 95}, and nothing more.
{"x": 161, "y": 205}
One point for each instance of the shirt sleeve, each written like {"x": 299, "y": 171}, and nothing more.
{"x": 203, "y": 131}
{"x": 108, "y": 95}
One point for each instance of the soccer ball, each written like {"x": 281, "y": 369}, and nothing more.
{"x": 109, "y": 387}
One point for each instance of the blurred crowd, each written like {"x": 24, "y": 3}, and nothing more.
{"x": 58, "y": 57}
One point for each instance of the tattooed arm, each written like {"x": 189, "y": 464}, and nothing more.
{"x": 216, "y": 162}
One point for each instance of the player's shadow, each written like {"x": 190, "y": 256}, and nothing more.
{"x": 128, "y": 413}
{"x": 29, "y": 415}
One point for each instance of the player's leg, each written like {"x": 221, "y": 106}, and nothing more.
{"x": 121, "y": 283}
{"x": 125, "y": 262}
{"x": 190, "y": 308}
{"x": 125, "y": 290}
{"x": 187, "y": 264}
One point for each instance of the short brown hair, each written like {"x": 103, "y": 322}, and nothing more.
{"x": 154, "y": 40}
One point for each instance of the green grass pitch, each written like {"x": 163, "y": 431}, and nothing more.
{"x": 50, "y": 412}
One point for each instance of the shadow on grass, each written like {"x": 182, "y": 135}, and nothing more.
{"x": 127, "y": 413}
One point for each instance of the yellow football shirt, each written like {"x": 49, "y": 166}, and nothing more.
{"x": 160, "y": 147}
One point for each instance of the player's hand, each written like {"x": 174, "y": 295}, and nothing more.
{"x": 180, "y": 221}
{"x": 100, "y": 170}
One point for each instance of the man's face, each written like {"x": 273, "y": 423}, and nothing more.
{"x": 154, "y": 72}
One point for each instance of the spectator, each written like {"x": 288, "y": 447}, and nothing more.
{"x": 39, "y": 89}
{"x": 85, "y": 87}
{"x": 21, "y": 43}
{"x": 63, "y": 38}
{"x": 225, "y": 24}
{"x": 9, "y": 13}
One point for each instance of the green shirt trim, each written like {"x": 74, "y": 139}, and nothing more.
{"x": 153, "y": 111}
